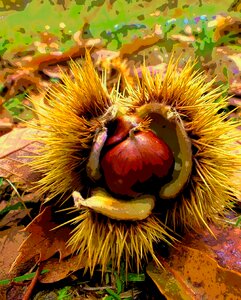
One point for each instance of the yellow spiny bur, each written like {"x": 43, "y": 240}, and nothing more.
{"x": 184, "y": 159}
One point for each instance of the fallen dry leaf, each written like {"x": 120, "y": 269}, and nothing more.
{"x": 235, "y": 88}
{"x": 15, "y": 207}
{"x": 202, "y": 267}
{"x": 43, "y": 60}
{"x": 5, "y": 117}
{"x": 60, "y": 269}
{"x": 15, "y": 292}
{"x": 44, "y": 241}
{"x": 10, "y": 240}
{"x": 226, "y": 25}
{"x": 15, "y": 146}
{"x": 183, "y": 38}
{"x": 235, "y": 101}
{"x": 55, "y": 71}
{"x": 225, "y": 248}
{"x": 14, "y": 217}
{"x": 5, "y": 126}
{"x": 190, "y": 274}
{"x": 168, "y": 284}
{"x": 20, "y": 78}
{"x": 138, "y": 44}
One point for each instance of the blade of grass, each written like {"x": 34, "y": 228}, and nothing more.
{"x": 16, "y": 206}
{"x": 21, "y": 278}
{"x": 113, "y": 294}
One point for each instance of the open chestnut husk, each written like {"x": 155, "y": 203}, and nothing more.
{"x": 78, "y": 130}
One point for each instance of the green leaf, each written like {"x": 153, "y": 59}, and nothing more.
{"x": 108, "y": 298}
{"x": 14, "y": 105}
{"x": 135, "y": 277}
{"x": 64, "y": 294}
{"x": 54, "y": 80}
{"x": 21, "y": 278}
{"x": 16, "y": 206}
{"x": 225, "y": 72}
{"x": 1, "y": 87}
{"x": 107, "y": 278}
{"x": 119, "y": 285}
{"x": 113, "y": 294}
{"x": 238, "y": 222}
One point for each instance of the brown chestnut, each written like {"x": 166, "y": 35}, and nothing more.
{"x": 134, "y": 158}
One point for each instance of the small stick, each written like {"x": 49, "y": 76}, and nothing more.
{"x": 30, "y": 288}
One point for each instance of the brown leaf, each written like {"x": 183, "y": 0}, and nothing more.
{"x": 5, "y": 127}
{"x": 5, "y": 116}
{"x": 55, "y": 71}
{"x": 191, "y": 274}
{"x": 44, "y": 241}
{"x": 13, "y": 217}
{"x": 226, "y": 24}
{"x": 16, "y": 292}
{"x": 20, "y": 78}
{"x": 225, "y": 247}
{"x": 15, "y": 146}
{"x": 14, "y": 204}
{"x": 235, "y": 88}
{"x": 202, "y": 267}
{"x": 42, "y": 60}
{"x": 183, "y": 38}
{"x": 60, "y": 269}
{"x": 10, "y": 240}
{"x": 235, "y": 101}
{"x": 6, "y": 124}
{"x": 140, "y": 43}
{"x": 167, "y": 283}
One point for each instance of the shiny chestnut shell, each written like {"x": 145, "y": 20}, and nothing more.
{"x": 135, "y": 161}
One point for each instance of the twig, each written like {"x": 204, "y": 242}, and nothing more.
{"x": 98, "y": 288}
{"x": 30, "y": 288}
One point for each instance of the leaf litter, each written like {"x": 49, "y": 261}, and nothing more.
{"x": 29, "y": 71}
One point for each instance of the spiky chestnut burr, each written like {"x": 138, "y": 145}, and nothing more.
{"x": 184, "y": 112}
